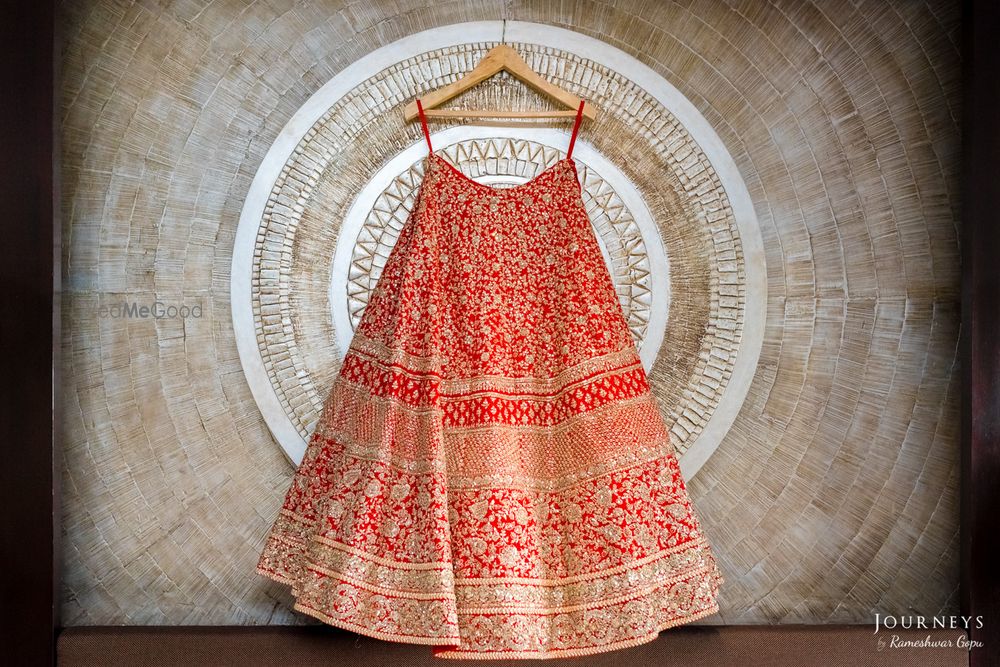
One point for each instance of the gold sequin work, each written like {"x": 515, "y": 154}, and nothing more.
{"x": 490, "y": 474}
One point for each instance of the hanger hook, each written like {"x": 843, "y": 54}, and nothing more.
{"x": 503, "y": 33}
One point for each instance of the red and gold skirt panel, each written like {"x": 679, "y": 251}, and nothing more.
{"x": 492, "y": 517}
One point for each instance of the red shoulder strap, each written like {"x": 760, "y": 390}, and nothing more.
{"x": 423, "y": 121}
{"x": 576, "y": 127}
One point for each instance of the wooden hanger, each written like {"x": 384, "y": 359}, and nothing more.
{"x": 501, "y": 57}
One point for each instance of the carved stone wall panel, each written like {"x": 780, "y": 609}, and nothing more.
{"x": 774, "y": 186}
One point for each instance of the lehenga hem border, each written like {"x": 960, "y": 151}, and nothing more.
{"x": 375, "y": 634}
{"x": 574, "y": 652}
{"x": 361, "y": 630}
{"x": 486, "y": 655}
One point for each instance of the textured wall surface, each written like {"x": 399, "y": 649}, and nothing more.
{"x": 832, "y": 496}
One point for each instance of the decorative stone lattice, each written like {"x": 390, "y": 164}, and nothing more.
{"x": 833, "y": 492}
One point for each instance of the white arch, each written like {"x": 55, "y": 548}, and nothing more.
{"x": 655, "y": 85}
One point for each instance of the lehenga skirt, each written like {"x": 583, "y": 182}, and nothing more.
{"x": 491, "y": 474}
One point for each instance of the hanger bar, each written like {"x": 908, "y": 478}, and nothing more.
{"x": 467, "y": 113}
{"x": 500, "y": 57}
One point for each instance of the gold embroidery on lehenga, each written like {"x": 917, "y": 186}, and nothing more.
{"x": 490, "y": 473}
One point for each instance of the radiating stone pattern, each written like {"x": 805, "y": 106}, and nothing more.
{"x": 834, "y": 494}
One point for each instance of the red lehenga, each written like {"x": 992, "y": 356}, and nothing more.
{"x": 490, "y": 474}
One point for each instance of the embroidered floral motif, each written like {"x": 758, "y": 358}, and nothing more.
{"x": 490, "y": 474}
